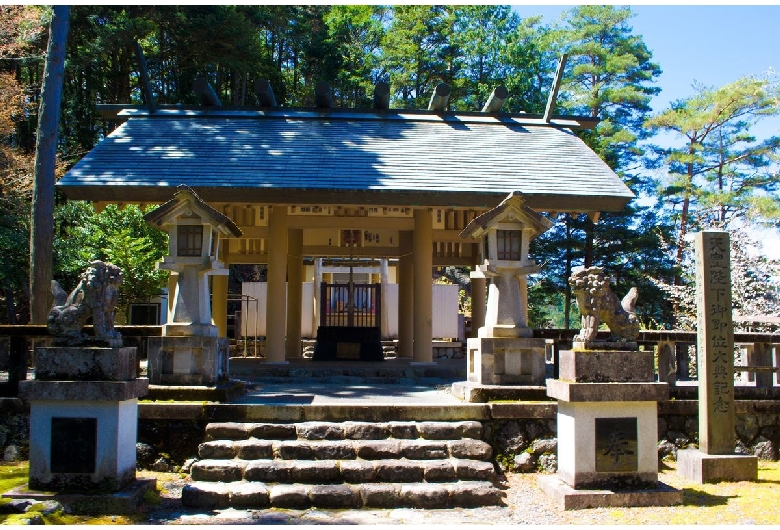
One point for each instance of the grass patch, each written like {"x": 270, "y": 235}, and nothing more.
{"x": 13, "y": 475}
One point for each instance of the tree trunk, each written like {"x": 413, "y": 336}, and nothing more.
{"x": 567, "y": 290}
{"x": 42, "y": 218}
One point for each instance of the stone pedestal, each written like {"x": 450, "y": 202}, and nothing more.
{"x": 83, "y": 419}
{"x": 505, "y": 361}
{"x": 701, "y": 467}
{"x": 195, "y": 360}
{"x": 607, "y": 431}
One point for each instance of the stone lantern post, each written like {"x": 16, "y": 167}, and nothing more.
{"x": 504, "y": 352}
{"x": 190, "y": 352}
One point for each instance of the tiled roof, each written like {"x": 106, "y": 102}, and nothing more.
{"x": 312, "y": 157}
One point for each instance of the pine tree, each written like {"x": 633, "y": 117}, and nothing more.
{"x": 719, "y": 173}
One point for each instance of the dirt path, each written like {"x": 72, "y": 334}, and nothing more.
{"x": 738, "y": 503}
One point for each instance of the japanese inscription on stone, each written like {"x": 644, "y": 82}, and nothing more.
{"x": 616, "y": 444}
{"x": 715, "y": 341}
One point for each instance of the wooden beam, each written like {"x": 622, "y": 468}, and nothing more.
{"x": 440, "y": 98}
{"x": 496, "y": 100}
{"x": 254, "y": 232}
{"x": 367, "y": 223}
{"x": 449, "y": 236}
{"x": 382, "y": 96}
{"x": 323, "y": 96}
{"x": 146, "y": 86}
{"x": 556, "y": 86}
{"x": 265, "y": 93}
{"x": 206, "y": 93}
{"x": 345, "y": 252}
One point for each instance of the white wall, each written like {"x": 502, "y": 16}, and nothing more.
{"x": 445, "y": 310}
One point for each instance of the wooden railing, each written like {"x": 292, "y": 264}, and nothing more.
{"x": 757, "y": 362}
{"x": 20, "y": 341}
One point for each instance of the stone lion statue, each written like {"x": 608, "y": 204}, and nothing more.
{"x": 597, "y": 304}
{"x": 96, "y": 296}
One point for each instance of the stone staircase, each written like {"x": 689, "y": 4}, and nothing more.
{"x": 421, "y": 464}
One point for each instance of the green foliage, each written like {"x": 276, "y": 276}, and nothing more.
{"x": 120, "y": 236}
{"x": 718, "y": 173}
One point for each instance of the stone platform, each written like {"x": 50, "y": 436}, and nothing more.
{"x": 569, "y": 498}
{"x": 701, "y": 467}
{"x": 124, "y": 502}
{"x": 222, "y": 392}
{"x": 479, "y": 393}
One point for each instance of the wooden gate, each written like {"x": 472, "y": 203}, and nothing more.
{"x": 361, "y": 308}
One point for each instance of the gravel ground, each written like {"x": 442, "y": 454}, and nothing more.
{"x": 726, "y": 503}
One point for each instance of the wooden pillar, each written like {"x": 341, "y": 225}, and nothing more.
{"x": 405, "y": 296}
{"x": 316, "y": 298}
{"x": 219, "y": 295}
{"x": 383, "y": 282}
{"x": 173, "y": 280}
{"x": 478, "y": 304}
{"x": 423, "y": 291}
{"x": 294, "y": 291}
{"x": 276, "y": 303}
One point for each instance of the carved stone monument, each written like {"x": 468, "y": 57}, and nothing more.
{"x": 715, "y": 459}
{"x": 505, "y": 352}
{"x": 190, "y": 353}
{"x": 84, "y": 399}
{"x": 607, "y": 409}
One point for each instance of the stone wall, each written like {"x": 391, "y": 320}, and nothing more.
{"x": 519, "y": 444}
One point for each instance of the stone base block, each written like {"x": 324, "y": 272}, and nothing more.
{"x": 190, "y": 361}
{"x": 82, "y": 446}
{"x": 478, "y": 393}
{"x": 606, "y": 366}
{"x": 506, "y": 361}
{"x": 605, "y": 345}
{"x": 124, "y": 502}
{"x": 102, "y": 391}
{"x": 587, "y": 392}
{"x": 224, "y": 392}
{"x": 85, "y": 364}
{"x": 569, "y": 498}
{"x": 701, "y": 467}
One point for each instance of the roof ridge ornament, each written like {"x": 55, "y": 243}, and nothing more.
{"x": 556, "y": 86}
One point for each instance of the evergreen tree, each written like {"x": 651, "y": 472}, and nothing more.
{"x": 720, "y": 173}
{"x": 608, "y": 76}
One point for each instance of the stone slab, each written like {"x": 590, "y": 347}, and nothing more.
{"x": 479, "y": 393}
{"x": 569, "y": 498}
{"x": 126, "y": 501}
{"x": 568, "y": 391}
{"x": 83, "y": 390}
{"x": 506, "y": 361}
{"x": 188, "y": 360}
{"x": 223, "y": 392}
{"x": 85, "y": 364}
{"x": 701, "y": 467}
{"x": 594, "y": 366}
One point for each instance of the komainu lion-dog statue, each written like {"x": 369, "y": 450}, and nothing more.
{"x": 597, "y": 304}
{"x": 96, "y": 296}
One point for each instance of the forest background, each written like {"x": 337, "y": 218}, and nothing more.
{"x": 709, "y": 171}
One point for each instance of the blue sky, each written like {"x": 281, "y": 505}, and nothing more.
{"x": 710, "y": 44}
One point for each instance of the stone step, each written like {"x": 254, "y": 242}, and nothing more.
{"x": 348, "y": 430}
{"x": 342, "y": 471}
{"x": 416, "y": 449}
{"x": 243, "y": 494}
{"x": 349, "y": 464}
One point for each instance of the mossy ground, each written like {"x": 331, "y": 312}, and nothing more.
{"x": 13, "y": 475}
{"x": 724, "y": 503}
